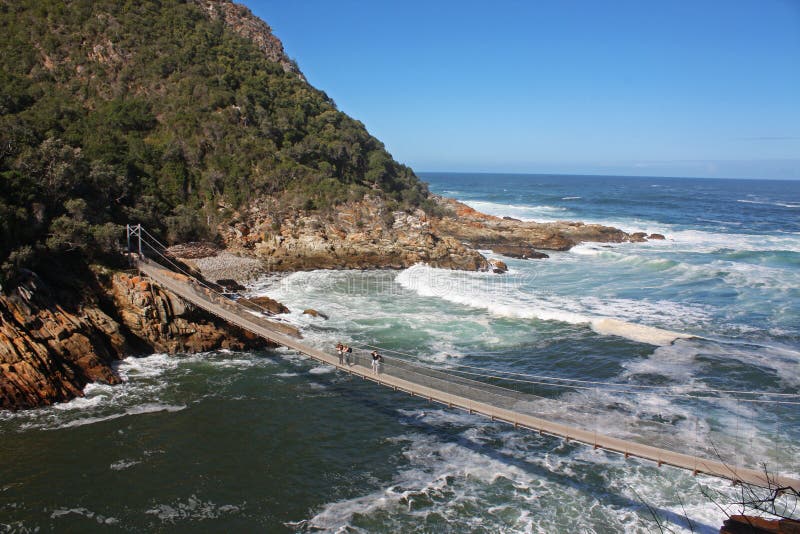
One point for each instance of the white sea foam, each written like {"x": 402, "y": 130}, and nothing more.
{"x": 85, "y": 512}
{"x": 701, "y": 241}
{"x": 542, "y": 213}
{"x": 146, "y": 367}
{"x": 547, "y": 214}
{"x": 144, "y": 391}
{"x": 442, "y": 476}
{"x": 636, "y": 332}
{"x": 690, "y": 240}
{"x": 136, "y": 410}
{"x": 770, "y": 203}
{"x": 194, "y": 509}
{"x": 322, "y": 370}
{"x": 471, "y": 291}
{"x": 121, "y": 465}
{"x": 508, "y": 489}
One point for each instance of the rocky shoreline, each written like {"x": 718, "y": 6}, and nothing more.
{"x": 368, "y": 235}
{"x": 53, "y": 344}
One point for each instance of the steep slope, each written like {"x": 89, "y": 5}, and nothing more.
{"x": 169, "y": 113}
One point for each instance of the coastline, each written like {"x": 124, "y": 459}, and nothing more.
{"x": 124, "y": 315}
{"x": 367, "y": 235}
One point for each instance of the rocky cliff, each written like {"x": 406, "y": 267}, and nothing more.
{"x": 367, "y": 234}
{"x": 53, "y": 343}
{"x": 486, "y": 231}
{"x": 356, "y": 235}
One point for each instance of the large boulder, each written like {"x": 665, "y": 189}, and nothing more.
{"x": 522, "y": 252}
{"x": 498, "y": 266}
{"x": 230, "y": 284}
{"x": 744, "y": 524}
{"x": 267, "y": 304}
{"x": 658, "y": 237}
{"x": 314, "y": 313}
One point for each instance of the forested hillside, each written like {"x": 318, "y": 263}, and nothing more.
{"x": 170, "y": 113}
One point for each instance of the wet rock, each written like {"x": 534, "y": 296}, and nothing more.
{"x": 656, "y": 236}
{"x": 366, "y": 234}
{"x": 314, "y": 313}
{"x": 519, "y": 252}
{"x": 638, "y": 237}
{"x": 362, "y": 234}
{"x": 49, "y": 352}
{"x": 53, "y": 344}
{"x": 162, "y": 322}
{"x": 498, "y": 266}
{"x": 230, "y": 285}
{"x": 479, "y": 229}
{"x": 271, "y": 306}
{"x": 742, "y": 524}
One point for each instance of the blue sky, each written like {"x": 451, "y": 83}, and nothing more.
{"x": 678, "y": 88}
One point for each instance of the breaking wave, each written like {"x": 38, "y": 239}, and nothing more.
{"x": 477, "y": 291}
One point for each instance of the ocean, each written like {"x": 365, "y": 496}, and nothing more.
{"x": 648, "y": 339}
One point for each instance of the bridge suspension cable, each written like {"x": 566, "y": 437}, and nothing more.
{"x": 141, "y": 230}
{"x": 544, "y": 378}
{"x": 447, "y": 387}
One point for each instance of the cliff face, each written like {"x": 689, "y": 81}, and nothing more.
{"x": 49, "y": 353}
{"x": 51, "y": 346}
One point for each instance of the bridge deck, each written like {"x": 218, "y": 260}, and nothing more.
{"x": 455, "y": 392}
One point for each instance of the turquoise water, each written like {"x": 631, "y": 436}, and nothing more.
{"x": 270, "y": 441}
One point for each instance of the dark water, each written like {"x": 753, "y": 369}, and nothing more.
{"x": 271, "y": 442}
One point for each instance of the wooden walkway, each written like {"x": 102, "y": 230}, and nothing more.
{"x": 471, "y": 396}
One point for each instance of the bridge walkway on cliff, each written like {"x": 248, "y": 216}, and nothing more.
{"x": 437, "y": 385}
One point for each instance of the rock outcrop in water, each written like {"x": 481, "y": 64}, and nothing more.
{"x": 522, "y": 252}
{"x": 54, "y": 343}
{"x": 745, "y": 524}
{"x": 358, "y": 235}
{"x": 488, "y": 232}
{"x": 165, "y": 323}
{"x": 366, "y": 234}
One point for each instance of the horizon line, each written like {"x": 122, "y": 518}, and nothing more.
{"x": 509, "y": 173}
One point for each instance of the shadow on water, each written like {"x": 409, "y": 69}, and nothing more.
{"x": 387, "y": 406}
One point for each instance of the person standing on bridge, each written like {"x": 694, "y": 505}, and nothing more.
{"x": 376, "y": 362}
{"x": 340, "y": 352}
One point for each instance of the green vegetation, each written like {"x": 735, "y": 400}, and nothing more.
{"x": 150, "y": 111}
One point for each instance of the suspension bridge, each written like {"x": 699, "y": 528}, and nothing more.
{"x": 451, "y": 389}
